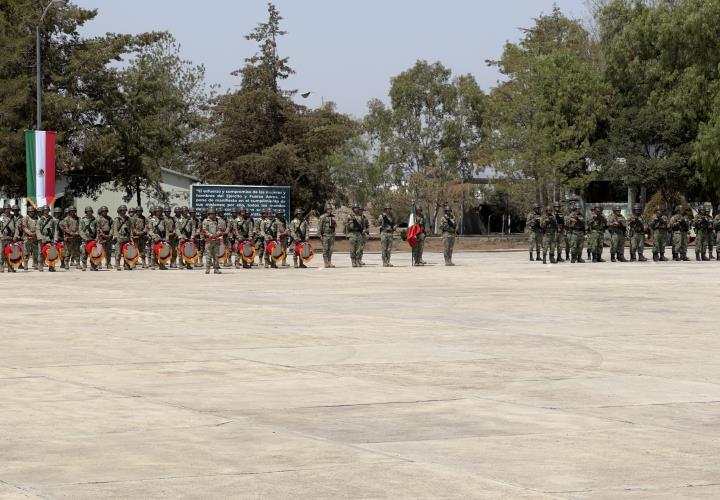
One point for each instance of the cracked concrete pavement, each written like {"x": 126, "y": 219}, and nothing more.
{"x": 498, "y": 378}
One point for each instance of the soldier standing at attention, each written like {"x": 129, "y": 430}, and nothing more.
{"x": 575, "y": 224}
{"x": 561, "y": 238}
{"x": 617, "y": 226}
{"x": 70, "y": 227}
{"x": 549, "y": 226}
{"x": 679, "y": 228}
{"x": 716, "y": 229}
{"x": 171, "y": 237}
{"x": 636, "y": 231}
{"x": 29, "y": 237}
{"x": 596, "y": 227}
{"x": 213, "y": 230}
{"x": 365, "y": 235}
{"x": 659, "y": 225}
{"x": 279, "y": 232}
{"x": 326, "y": 230}
{"x": 702, "y": 225}
{"x": 122, "y": 233}
{"x": 88, "y": 233}
{"x": 244, "y": 228}
{"x": 232, "y": 236}
{"x": 534, "y": 232}
{"x": 156, "y": 232}
{"x": 48, "y": 232}
{"x": 8, "y": 234}
{"x": 298, "y": 233}
{"x": 387, "y": 231}
{"x": 264, "y": 233}
{"x": 185, "y": 231}
{"x": 354, "y": 227}
{"x": 448, "y": 226}
{"x": 417, "y": 251}
{"x": 105, "y": 230}
{"x": 139, "y": 228}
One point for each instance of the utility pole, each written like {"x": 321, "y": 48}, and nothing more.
{"x": 38, "y": 61}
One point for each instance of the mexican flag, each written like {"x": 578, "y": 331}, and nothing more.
{"x": 413, "y": 229}
{"x": 40, "y": 167}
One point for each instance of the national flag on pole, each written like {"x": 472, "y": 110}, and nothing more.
{"x": 40, "y": 166}
{"x": 413, "y": 229}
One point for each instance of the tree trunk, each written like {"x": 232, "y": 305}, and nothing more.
{"x": 137, "y": 192}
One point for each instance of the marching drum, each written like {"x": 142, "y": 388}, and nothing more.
{"x": 130, "y": 253}
{"x": 163, "y": 252}
{"x": 94, "y": 249}
{"x": 246, "y": 250}
{"x": 223, "y": 252}
{"x": 304, "y": 251}
{"x": 275, "y": 251}
{"x": 189, "y": 252}
{"x": 14, "y": 254}
{"x": 52, "y": 253}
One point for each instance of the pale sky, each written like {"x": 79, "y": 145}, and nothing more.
{"x": 343, "y": 51}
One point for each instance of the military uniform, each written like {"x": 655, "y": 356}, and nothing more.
{"x": 70, "y": 227}
{"x": 617, "y": 225}
{"x": 703, "y": 225}
{"x": 679, "y": 227}
{"x": 139, "y": 234}
{"x": 636, "y": 231}
{"x": 214, "y": 232}
{"x": 185, "y": 229}
{"x": 532, "y": 226}
{"x": 387, "y": 232}
{"x": 105, "y": 231}
{"x": 417, "y": 251}
{"x": 299, "y": 232}
{"x": 88, "y": 233}
{"x": 448, "y": 226}
{"x": 156, "y": 232}
{"x": 549, "y": 226}
{"x": 8, "y": 234}
{"x": 278, "y": 232}
{"x": 716, "y": 229}
{"x": 243, "y": 230}
{"x": 264, "y": 232}
{"x": 561, "y": 238}
{"x": 326, "y": 229}
{"x": 575, "y": 224}
{"x": 659, "y": 225}
{"x": 365, "y": 237}
{"x": 29, "y": 238}
{"x": 47, "y": 232}
{"x": 171, "y": 238}
{"x": 122, "y": 233}
{"x": 596, "y": 234}
{"x": 354, "y": 228}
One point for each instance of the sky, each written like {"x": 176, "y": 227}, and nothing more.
{"x": 345, "y": 51}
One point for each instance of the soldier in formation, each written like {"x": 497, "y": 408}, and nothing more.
{"x": 575, "y": 224}
{"x": 8, "y": 235}
{"x": 355, "y": 228}
{"x": 213, "y": 231}
{"x": 532, "y": 225}
{"x": 549, "y": 226}
{"x": 679, "y": 226}
{"x": 637, "y": 230}
{"x": 327, "y": 226}
{"x": 88, "y": 232}
{"x": 448, "y": 226}
{"x": 617, "y": 225}
{"x": 417, "y": 251}
{"x": 387, "y": 226}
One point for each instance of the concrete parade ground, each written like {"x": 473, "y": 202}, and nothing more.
{"x": 498, "y": 378}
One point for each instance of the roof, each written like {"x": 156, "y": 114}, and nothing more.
{"x": 180, "y": 174}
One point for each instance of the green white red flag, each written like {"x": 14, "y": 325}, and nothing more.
{"x": 413, "y": 229}
{"x": 40, "y": 166}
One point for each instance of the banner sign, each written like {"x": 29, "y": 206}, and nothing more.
{"x": 253, "y": 198}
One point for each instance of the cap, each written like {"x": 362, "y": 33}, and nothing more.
{"x": 57, "y": 210}
{"x": 122, "y": 207}
{"x": 15, "y": 207}
{"x": 88, "y": 209}
{"x": 211, "y": 211}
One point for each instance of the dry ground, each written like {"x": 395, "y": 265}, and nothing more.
{"x": 498, "y": 378}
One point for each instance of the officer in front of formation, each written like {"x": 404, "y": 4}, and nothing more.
{"x": 387, "y": 226}
{"x": 326, "y": 230}
{"x": 213, "y": 231}
{"x": 449, "y": 228}
{"x": 532, "y": 223}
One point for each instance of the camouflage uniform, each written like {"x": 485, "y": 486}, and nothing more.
{"x": 264, "y": 229}
{"x": 702, "y": 224}
{"x": 185, "y": 229}
{"x": 636, "y": 231}
{"x": 122, "y": 233}
{"x": 365, "y": 236}
{"x": 105, "y": 229}
{"x": 214, "y": 231}
{"x": 70, "y": 227}
{"x": 659, "y": 225}
{"x": 279, "y": 232}
{"x": 172, "y": 238}
{"x": 617, "y": 225}
{"x": 716, "y": 229}
{"x": 139, "y": 231}
{"x": 679, "y": 227}
{"x": 244, "y": 229}
{"x": 29, "y": 237}
{"x": 532, "y": 226}
{"x": 448, "y": 226}
{"x": 561, "y": 239}
{"x": 156, "y": 232}
{"x": 88, "y": 233}
{"x": 299, "y": 230}
{"x": 549, "y": 226}
{"x": 417, "y": 251}
{"x": 8, "y": 234}
{"x": 47, "y": 232}
{"x": 575, "y": 224}
{"x": 387, "y": 231}
{"x": 354, "y": 228}
{"x": 596, "y": 233}
{"x": 326, "y": 230}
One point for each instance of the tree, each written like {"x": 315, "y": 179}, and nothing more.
{"x": 544, "y": 117}
{"x": 260, "y": 136}
{"x": 424, "y": 138}
{"x": 80, "y": 83}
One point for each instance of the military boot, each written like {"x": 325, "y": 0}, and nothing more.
{"x": 718, "y": 255}
{"x": 599, "y": 257}
{"x": 642, "y": 258}
{"x": 559, "y": 257}
{"x": 552, "y": 258}
{"x": 662, "y": 257}
{"x": 612, "y": 257}
{"x": 705, "y": 257}
{"x": 531, "y": 257}
{"x": 580, "y": 260}
{"x": 567, "y": 254}
{"x": 632, "y": 257}
{"x": 544, "y": 261}
{"x": 697, "y": 255}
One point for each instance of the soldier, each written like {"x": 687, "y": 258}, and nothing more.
{"x": 139, "y": 231}
{"x": 122, "y": 233}
{"x": 561, "y": 238}
{"x": 171, "y": 238}
{"x": 263, "y": 234}
{"x": 70, "y": 227}
{"x": 532, "y": 225}
{"x": 279, "y": 233}
{"x": 702, "y": 225}
{"x": 48, "y": 232}
{"x": 716, "y": 229}
{"x": 299, "y": 232}
{"x": 354, "y": 228}
{"x": 16, "y": 214}
{"x": 449, "y": 229}
{"x": 596, "y": 227}
{"x": 617, "y": 224}
{"x": 365, "y": 235}
{"x": 575, "y": 224}
{"x": 213, "y": 230}
{"x": 29, "y": 237}
{"x": 104, "y": 225}
{"x": 659, "y": 225}
{"x": 326, "y": 230}
{"x": 244, "y": 229}
{"x": 88, "y": 232}
{"x": 8, "y": 235}
{"x": 679, "y": 227}
{"x": 232, "y": 238}
{"x": 185, "y": 231}
{"x": 549, "y": 226}
{"x": 636, "y": 231}
{"x": 417, "y": 251}
{"x": 156, "y": 232}
{"x": 387, "y": 231}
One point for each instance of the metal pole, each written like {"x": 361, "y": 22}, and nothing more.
{"x": 39, "y": 77}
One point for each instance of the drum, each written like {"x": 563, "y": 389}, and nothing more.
{"x": 223, "y": 252}
{"x": 94, "y": 249}
{"x": 275, "y": 250}
{"x": 14, "y": 254}
{"x": 52, "y": 253}
{"x": 189, "y": 252}
{"x": 304, "y": 252}
{"x": 130, "y": 253}
{"x": 163, "y": 252}
{"x": 246, "y": 250}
